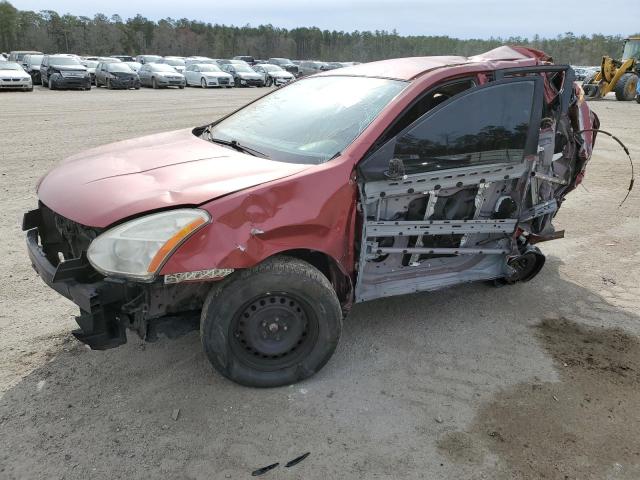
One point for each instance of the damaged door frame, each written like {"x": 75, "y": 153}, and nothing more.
{"x": 483, "y": 263}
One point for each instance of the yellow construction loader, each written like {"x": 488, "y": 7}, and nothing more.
{"x": 619, "y": 76}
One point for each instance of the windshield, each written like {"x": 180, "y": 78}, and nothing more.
{"x": 9, "y": 66}
{"x": 310, "y": 121}
{"x": 208, "y": 68}
{"x": 119, "y": 67}
{"x": 162, "y": 67}
{"x": 272, "y": 68}
{"x": 35, "y": 59}
{"x": 64, "y": 61}
{"x": 174, "y": 61}
{"x": 281, "y": 61}
{"x": 631, "y": 50}
{"x": 239, "y": 67}
{"x": 91, "y": 64}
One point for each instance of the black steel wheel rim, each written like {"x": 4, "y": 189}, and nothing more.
{"x": 273, "y": 331}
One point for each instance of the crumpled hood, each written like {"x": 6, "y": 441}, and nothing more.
{"x": 100, "y": 186}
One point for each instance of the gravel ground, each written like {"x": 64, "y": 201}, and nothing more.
{"x": 538, "y": 380}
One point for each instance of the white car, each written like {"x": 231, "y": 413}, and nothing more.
{"x": 207, "y": 75}
{"x": 13, "y": 76}
{"x": 273, "y": 74}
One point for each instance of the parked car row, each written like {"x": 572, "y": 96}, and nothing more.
{"x": 584, "y": 72}
{"x": 124, "y": 71}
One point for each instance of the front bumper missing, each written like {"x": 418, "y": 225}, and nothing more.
{"x": 110, "y": 306}
{"x": 102, "y": 322}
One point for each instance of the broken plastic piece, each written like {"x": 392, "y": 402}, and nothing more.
{"x": 297, "y": 460}
{"x": 263, "y": 470}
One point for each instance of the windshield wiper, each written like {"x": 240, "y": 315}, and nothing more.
{"x": 241, "y": 148}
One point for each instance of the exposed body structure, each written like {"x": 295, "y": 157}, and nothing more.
{"x": 454, "y": 178}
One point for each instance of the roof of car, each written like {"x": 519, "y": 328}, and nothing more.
{"x": 411, "y": 67}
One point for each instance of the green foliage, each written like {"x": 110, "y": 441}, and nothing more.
{"x": 47, "y": 31}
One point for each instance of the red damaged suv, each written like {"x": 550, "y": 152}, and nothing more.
{"x": 380, "y": 179}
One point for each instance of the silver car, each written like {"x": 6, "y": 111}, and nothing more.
{"x": 273, "y": 74}
{"x": 207, "y": 75}
{"x": 160, "y": 75}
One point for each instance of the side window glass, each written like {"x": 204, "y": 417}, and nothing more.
{"x": 489, "y": 125}
{"x": 430, "y": 100}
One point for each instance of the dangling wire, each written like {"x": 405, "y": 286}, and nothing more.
{"x": 626, "y": 150}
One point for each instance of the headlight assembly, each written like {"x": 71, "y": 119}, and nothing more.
{"x": 139, "y": 248}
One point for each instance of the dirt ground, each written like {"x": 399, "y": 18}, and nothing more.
{"x": 540, "y": 380}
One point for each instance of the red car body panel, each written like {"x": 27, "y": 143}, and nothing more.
{"x": 259, "y": 207}
{"x": 123, "y": 179}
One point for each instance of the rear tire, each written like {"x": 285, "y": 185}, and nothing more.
{"x": 271, "y": 325}
{"x": 625, "y": 89}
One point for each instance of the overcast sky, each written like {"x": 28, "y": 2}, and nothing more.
{"x": 456, "y": 18}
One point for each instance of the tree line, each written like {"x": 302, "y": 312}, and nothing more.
{"x": 48, "y": 31}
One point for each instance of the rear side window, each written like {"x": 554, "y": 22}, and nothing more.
{"x": 489, "y": 125}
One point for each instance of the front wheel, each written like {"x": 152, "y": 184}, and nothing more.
{"x": 271, "y": 325}
{"x": 203, "y": 83}
{"x": 269, "y": 81}
{"x": 51, "y": 85}
{"x": 154, "y": 83}
{"x": 625, "y": 88}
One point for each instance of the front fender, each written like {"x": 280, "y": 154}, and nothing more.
{"x": 312, "y": 210}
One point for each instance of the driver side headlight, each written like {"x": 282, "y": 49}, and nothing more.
{"x": 137, "y": 249}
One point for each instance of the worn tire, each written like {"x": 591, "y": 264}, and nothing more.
{"x": 316, "y": 329}
{"x": 625, "y": 89}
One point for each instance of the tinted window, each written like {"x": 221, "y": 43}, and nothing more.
{"x": 429, "y": 100}
{"x": 488, "y": 125}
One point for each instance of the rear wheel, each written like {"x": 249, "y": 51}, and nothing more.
{"x": 625, "y": 89}
{"x": 271, "y": 325}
